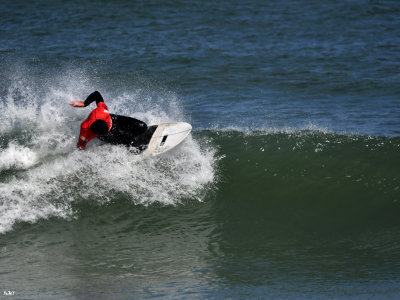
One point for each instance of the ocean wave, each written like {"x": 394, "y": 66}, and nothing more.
{"x": 42, "y": 174}
{"x": 310, "y": 179}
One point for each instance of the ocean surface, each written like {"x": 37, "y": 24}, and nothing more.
{"x": 287, "y": 188}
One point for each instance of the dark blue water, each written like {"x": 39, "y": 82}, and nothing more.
{"x": 246, "y": 63}
{"x": 288, "y": 187}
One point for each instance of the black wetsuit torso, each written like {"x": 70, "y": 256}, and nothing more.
{"x": 129, "y": 132}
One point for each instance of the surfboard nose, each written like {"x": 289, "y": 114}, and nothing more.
{"x": 185, "y": 126}
{"x": 178, "y": 127}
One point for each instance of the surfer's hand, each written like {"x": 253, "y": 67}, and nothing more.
{"x": 77, "y": 103}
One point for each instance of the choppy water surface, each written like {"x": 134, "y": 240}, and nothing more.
{"x": 288, "y": 187}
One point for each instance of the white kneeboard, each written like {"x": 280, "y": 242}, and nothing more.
{"x": 166, "y": 137}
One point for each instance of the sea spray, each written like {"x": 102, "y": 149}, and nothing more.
{"x": 16, "y": 156}
{"x": 47, "y": 176}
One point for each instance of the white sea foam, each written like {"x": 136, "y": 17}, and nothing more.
{"x": 267, "y": 130}
{"x": 16, "y": 156}
{"x": 39, "y": 143}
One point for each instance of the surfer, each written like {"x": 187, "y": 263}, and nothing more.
{"x": 110, "y": 128}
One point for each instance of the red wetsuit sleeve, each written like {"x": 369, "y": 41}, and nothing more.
{"x": 85, "y": 135}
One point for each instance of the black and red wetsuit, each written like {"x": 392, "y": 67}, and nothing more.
{"x": 99, "y": 113}
{"x": 121, "y": 130}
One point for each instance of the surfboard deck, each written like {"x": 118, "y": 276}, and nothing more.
{"x": 165, "y": 137}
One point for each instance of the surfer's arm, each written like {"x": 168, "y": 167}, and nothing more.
{"x": 82, "y": 142}
{"x": 85, "y": 135}
{"x": 95, "y": 96}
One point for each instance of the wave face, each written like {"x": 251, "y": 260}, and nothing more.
{"x": 226, "y": 207}
{"x": 310, "y": 180}
{"x": 307, "y": 178}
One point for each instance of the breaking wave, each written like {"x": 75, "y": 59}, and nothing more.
{"x": 42, "y": 174}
